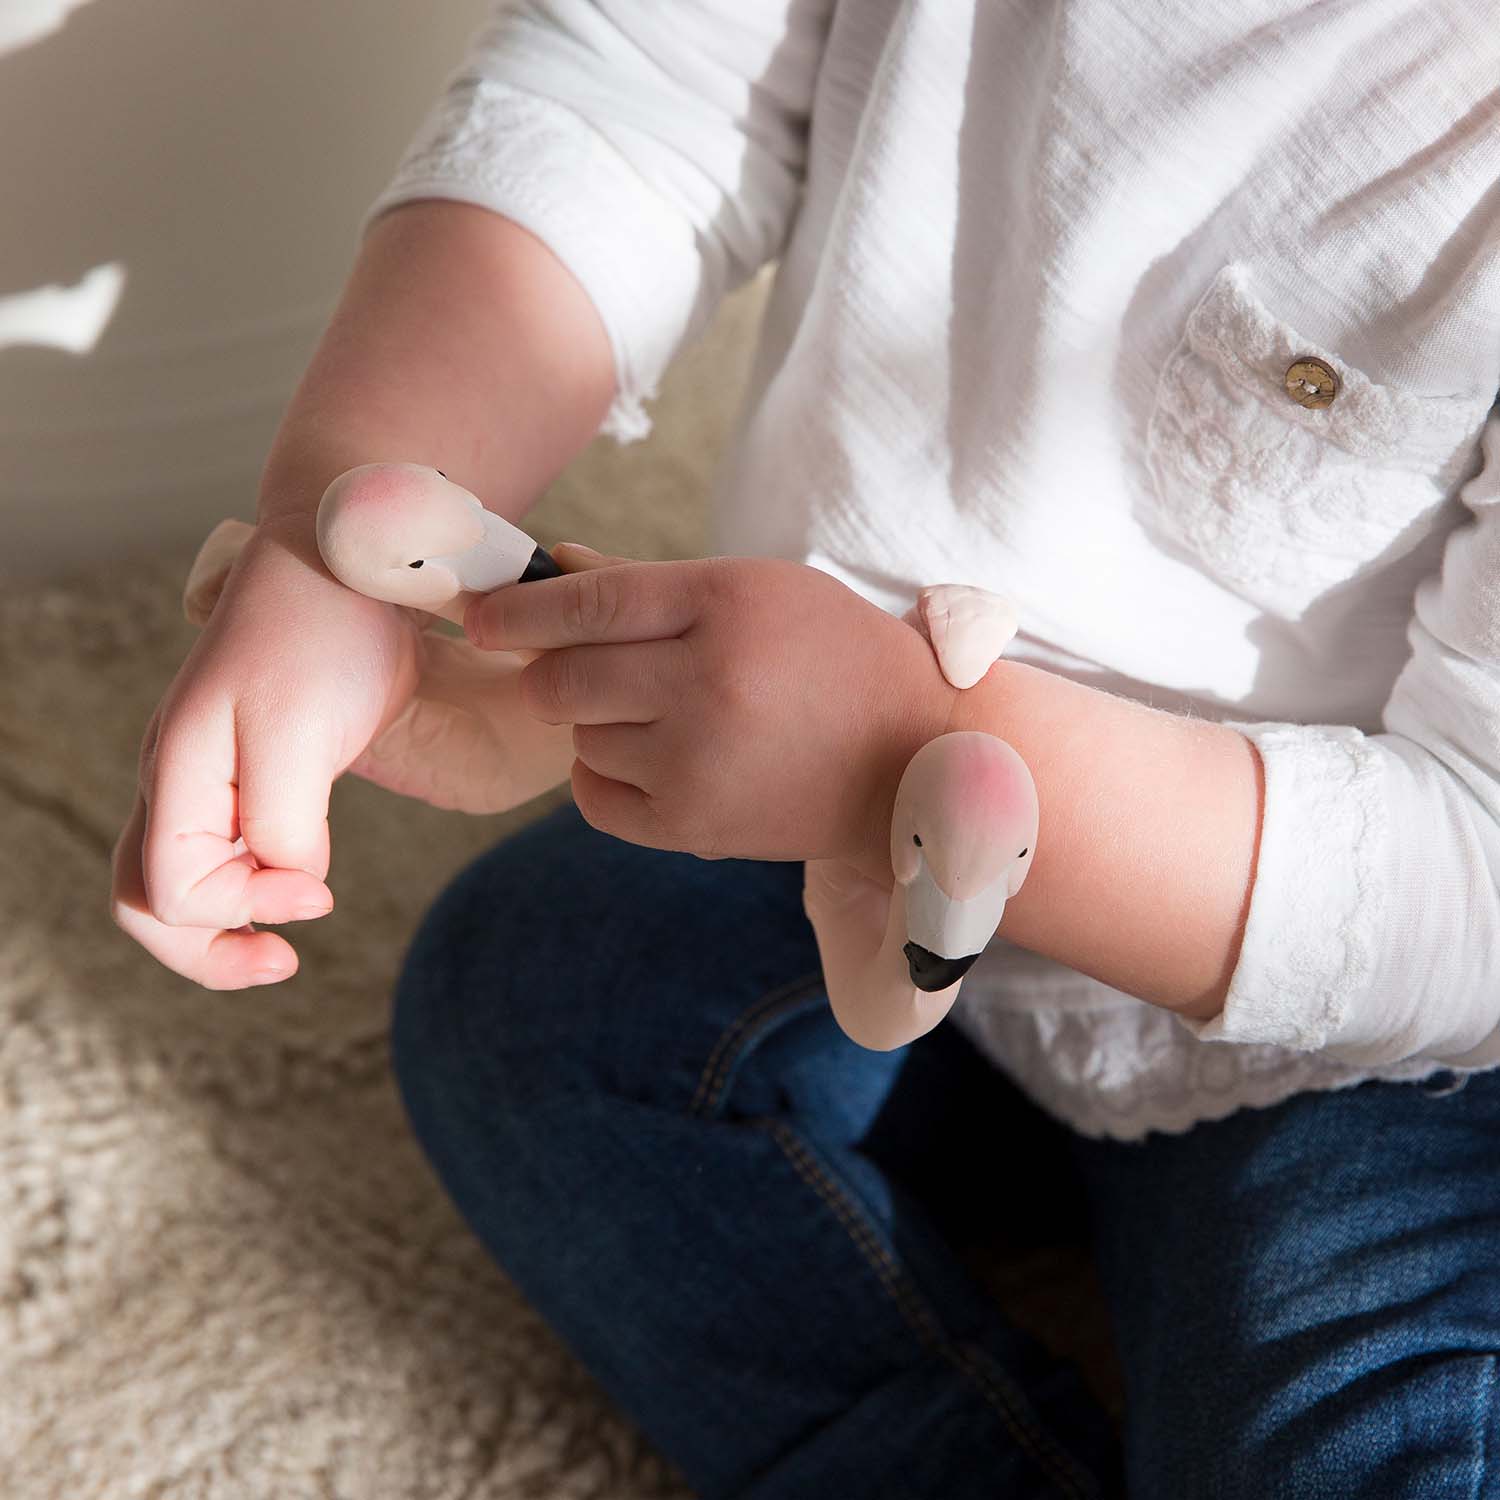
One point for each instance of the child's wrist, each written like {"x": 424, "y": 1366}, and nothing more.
{"x": 927, "y": 705}
{"x": 300, "y": 468}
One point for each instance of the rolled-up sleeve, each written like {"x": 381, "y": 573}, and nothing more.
{"x": 657, "y": 147}
{"x": 1374, "y": 924}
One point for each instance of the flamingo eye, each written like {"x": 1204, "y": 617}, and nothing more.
{"x": 1022, "y": 854}
{"x": 916, "y": 840}
{"x": 416, "y": 564}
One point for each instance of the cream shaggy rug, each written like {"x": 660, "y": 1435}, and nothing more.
{"x": 225, "y": 1268}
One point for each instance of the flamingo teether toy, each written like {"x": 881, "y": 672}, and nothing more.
{"x": 964, "y": 826}
{"x": 963, "y": 833}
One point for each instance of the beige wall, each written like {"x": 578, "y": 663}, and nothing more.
{"x": 188, "y": 176}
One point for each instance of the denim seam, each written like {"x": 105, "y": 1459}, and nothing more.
{"x": 1487, "y": 1420}
{"x": 721, "y": 1060}
{"x": 1053, "y": 1461}
{"x": 1044, "y": 1451}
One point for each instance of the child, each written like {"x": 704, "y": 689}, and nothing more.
{"x": 1180, "y": 328}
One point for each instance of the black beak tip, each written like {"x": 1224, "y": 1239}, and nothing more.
{"x": 930, "y": 972}
{"x": 541, "y": 565}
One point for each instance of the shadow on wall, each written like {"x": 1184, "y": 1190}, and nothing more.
{"x": 182, "y": 187}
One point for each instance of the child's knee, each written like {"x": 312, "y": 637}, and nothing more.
{"x": 564, "y": 961}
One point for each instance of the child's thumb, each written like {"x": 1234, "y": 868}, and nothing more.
{"x": 574, "y": 557}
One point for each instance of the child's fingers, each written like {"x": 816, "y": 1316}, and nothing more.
{"x": 609, "y": 599}
{"x": 574, "y": 557}
{"x": 194, "y": 875}
{"x": 285, "y": 777}
{"x": 216, "y": 959}
{"x": 236, "y": 893}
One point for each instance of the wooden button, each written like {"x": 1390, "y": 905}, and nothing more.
{"x": 1311, "y": 382}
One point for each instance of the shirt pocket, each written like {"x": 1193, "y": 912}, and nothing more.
{"x": 1280, "y": 502}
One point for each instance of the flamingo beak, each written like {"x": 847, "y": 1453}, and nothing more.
{"x": 946, "y": 934}
{"x": 502, "y": 554}
{"x": 931, "y": 972}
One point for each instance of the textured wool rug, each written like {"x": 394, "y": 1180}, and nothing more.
{"x": 225, "y": 1268}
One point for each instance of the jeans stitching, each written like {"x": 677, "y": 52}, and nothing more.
{"x": 885, "y": 1265}
{"x": 1487, "y": 1420}
{"x": 1054, "y": 1462}
{"x": 721, "y": 1059}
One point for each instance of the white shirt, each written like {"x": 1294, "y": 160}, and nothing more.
{"x": 1043, "y": 266}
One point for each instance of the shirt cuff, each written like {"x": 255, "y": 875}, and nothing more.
{"x": 1310, "y": 945}
{"x": 542, "y": 166}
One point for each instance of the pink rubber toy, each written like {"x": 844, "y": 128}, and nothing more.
{"x": 963, "y": 834}
{"x": 964, "y": 827}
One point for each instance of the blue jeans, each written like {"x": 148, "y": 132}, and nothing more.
{"x": 623, "y": 1067}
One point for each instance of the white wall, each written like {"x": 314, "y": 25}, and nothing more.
{"x": 187, "y": 175}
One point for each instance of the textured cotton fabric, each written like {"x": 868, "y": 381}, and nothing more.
{"x": 1042, "y": 269}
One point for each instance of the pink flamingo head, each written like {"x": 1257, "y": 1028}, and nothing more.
{"x": 963, "y": 836}
{"x": 389, "y": 530}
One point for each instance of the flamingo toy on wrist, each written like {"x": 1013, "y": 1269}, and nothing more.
{"x": 964, "y": 825}
{"x": 963, "y": 834}
{"x": 407, "y": 534}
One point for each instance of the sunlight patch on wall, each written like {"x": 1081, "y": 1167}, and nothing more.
{"x": 63, "y": 317}
{"x": 25, "y": 21}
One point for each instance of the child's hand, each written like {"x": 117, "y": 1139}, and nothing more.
{"x": 732, "y": 707}
{"x": 291, "y": 678}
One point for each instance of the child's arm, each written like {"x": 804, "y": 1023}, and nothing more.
{"x": 1329, "y": 890}
{"x": 460, "y": 341}
{"x": 1149, "y": 838}
{"x": 588, "y": 187}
